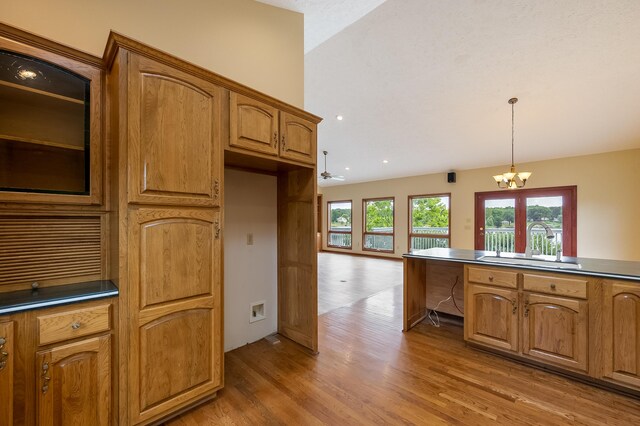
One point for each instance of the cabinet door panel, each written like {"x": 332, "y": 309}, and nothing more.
{"x": 74, "y": 383}
{"x": 253, "y": 125}
{"x": 174, "y": 143}
{"x": 621, "y": 333}
{"x": 175, "y": 355}
{"x": 491, "y": 316}
{"x": 7, "y": 353}
{"x": 176, "y": 333}
{"x": 555, "y": 330}
{"x": 177, "y": 250}
{"x": 298, "y": 139}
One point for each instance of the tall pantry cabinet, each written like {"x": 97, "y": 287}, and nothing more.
{"x": 166, "y": 158}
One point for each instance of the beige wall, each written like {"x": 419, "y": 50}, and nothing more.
{"x": 250, "y": 271}
{"x": 250, "y": 42}
{"x": 608, "y": 201}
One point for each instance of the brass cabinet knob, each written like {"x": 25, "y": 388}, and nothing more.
{"x": 553, "y": 286}
{"x": 491, "y": 278}
{"x": 76, "y": 325}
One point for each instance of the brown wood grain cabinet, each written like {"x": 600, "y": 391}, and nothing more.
{"x": 491, "y": 316}
{"x": 621, "y": 332}
{"x": 7, "y": 354}
{"x": 555, "y": 330}
{"x": 174, "y": 150}
{"x": 258, "y": 127}
{"x": 176, "y": 328}
{"x": 74, "y": 383}
{"x": 50, "y": 124}
{"x": 66, "y": 380}
{"x": 536, "y": 324}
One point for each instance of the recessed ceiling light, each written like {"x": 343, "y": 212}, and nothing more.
{"x": 346, "y": 168}
{"x": 385, "y": 161}
{"x": 339, "y": 117}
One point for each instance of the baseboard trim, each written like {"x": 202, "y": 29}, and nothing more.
{"x": 375, "y": 256}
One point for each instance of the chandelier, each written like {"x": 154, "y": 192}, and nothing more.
{"x": 512, "y": 179}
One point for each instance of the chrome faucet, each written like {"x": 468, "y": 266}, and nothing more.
{"x": 529, "y": 252}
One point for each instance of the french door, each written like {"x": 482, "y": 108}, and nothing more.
{"x": 502, "y": 218}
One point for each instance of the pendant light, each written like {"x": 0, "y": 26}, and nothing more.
{"x": 512, "y": 179}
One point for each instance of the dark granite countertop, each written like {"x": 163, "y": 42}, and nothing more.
{"x": 596, "y": 267}
{"x": 25, "y": 300}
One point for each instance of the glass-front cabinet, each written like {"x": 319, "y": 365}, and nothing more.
{"x": 49, "y": 127}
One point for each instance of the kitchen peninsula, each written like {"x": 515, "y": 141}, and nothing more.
{"x": 578, "y": 316}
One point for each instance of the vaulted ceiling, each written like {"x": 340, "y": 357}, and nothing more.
{"x": 424, "y": 84}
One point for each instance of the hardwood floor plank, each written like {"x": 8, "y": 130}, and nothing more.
{"x": 369, "y": 372}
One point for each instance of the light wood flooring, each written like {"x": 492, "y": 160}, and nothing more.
{"x": 344, "y": 279}
{"x": 369, "y": 372}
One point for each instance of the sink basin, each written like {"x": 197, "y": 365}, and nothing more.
{"x": 541, "y": 263}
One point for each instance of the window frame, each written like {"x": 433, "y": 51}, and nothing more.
{"x": 364, "y": 225}
{"x": 569, "y": 215}
{"x": 329, "y": 231}
{"x": 410, "y": 222}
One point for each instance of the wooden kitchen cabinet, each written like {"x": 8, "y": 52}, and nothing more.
{"x": 297, "y": 139}
{"x": 491, "y": 316}
{"x": 7, "y": 354}
{"x": 174, "y": 136}
{"x": 50, "y": 123}
{"x": 74, "y": 383}
{"x": 621, "y": 332}
{"x": 176, "y": 324}
{"x": 555, "y": 330}
{"x": 258, "y": 127}
{"x": 253, "y": 125}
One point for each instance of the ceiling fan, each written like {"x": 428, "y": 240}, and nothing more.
{"x": 326, "y": 175}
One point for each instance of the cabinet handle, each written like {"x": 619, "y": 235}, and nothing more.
{"x": 3, "y": 354}
{"x": 275, "y": 140}
{"x": 216, "y": 189}
{"x": 491, "y": 278}
{"x": 217, "y": 226}
{"x": 75, "y": 325}
{"x": 284, "y": 144}
{"x": 553, "y": 286}
{"x": 45, "y": 377}
{"x": 514, "y": 305}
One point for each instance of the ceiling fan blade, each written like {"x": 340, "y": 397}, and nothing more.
{"x": 339, "y": 178}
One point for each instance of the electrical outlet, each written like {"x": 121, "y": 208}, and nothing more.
{"x": 250, "y": 239}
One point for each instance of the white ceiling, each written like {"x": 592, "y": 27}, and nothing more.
{"x": 425, "y": 83}
{"x": 325, "y": 18}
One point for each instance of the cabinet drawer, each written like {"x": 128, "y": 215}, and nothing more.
{"x": 553, "y": 285}
{"x": 495, "y": 277}
{"x": 73, "y": 323}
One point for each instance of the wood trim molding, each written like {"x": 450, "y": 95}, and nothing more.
{"x": 34, "y": 40}
{"x": 333, "y": 250}
{"x": 118, "y": 41}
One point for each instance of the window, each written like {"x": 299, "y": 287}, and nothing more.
{"x": 339, "y": 231}
{"x": 503, "y": 219}
{"x": 429, "y": 221}
{"x": 378, "y": 224}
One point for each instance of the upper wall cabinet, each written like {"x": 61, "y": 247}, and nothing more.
{"x": 174, "y": 136}
{"x": 261, "y": 128}
{"x": 50, "y": 127}
{"x": 254, "y": 125}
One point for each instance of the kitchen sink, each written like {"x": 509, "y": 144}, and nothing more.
{"x": 540, "y": 263}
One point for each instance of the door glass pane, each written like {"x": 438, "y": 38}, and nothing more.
{"x": 499, "y": 219}
{"x": 44, "y": 127}
{"x": 547, "y": 210}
